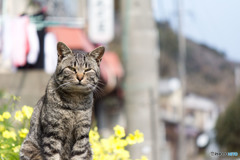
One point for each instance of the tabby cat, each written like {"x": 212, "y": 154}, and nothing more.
{"x": 61, "y": 119}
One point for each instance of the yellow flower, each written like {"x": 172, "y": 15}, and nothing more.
{"x": 113, "y": 148}
{"x": 107, "y": 144}
{"x": 2, "y": 128}
{"x": 97, "y": 148}
{"x": 119, "y": 131}
{"x": 19, "y": 116}
{"x": 9, "y": 134}
{"x": 5, "y": 134}
{"x": 131, "y": 139}
{"x": 118, "y": 145}
{"x": 139, "y": 136}
{"x": 13, "y": 135}
{"x": 23, "y": 132}
{"x": 144, "y": 158}
{"x": 93, "y": 134}
{"x": 1, "y": 118}
{"x": 16, "y": 149}
{"x": 16, "y": 98}
{"x": 27, "y": 111}
{"x": 6, "y": 115}
{"x": 4, "y": 146}
{"x": 124, "y": 154}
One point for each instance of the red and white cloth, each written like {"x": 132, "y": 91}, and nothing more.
{"x": 19, "y": 39}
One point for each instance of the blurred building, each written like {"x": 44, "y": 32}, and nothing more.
{"x": 170, "y": 99}
{"x": 170, "y": 110}
{"x": 200, "y": 115}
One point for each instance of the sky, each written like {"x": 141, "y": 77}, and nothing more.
{"x": 215, "y": 23}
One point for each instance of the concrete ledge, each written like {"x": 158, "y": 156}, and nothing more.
{"x": 28, "y": 84}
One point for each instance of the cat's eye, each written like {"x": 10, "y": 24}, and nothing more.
{"x": 72, "y": 68}
{"x": 88, "y": 69}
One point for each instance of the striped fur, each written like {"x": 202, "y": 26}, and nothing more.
{"x": 61, "y": 119}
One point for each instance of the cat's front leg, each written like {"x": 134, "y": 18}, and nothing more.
{"x": 81, "y": 152}
{"x": 81, "y": 149}
{"x": 29, "y": 150}
{"x": 51, "y": 148}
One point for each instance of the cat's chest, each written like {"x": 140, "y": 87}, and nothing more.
{"x": 76, "y": 107}
{"x": 72, "y": 117}
{"x": 66, "y": 118}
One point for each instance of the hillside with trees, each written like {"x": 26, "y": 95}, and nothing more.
{"x": 209, "y": 73}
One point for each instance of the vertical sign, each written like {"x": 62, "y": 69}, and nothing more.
{"x": 101, "y": 21}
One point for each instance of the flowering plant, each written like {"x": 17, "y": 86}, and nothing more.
{"x": 14, "y": 126}
{"x": 113, "y": 148}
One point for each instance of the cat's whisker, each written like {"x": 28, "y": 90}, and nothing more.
{"x": 99, "y": 88}
{"x": 101, "y": 82}
{"x": 62, "y": 85}
{"x": 98, "y": 92}
{"x": 97, "y": 95}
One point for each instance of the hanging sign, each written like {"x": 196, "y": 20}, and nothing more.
{"x": 101, "y": 21}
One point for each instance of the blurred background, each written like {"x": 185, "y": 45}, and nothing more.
{"x": 171, "y": 67}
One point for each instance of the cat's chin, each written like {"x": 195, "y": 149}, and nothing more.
{"x": 80, "y": 88}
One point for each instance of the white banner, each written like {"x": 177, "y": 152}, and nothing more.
{"x": 101, "y": 21}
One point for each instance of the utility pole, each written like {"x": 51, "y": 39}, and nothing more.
{"x": 182, "y": 75}
{"x": 237, "y": 78}
{"x": 140, "y": 57}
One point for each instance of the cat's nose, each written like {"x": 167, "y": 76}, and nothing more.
{"x": 80, "y": 76}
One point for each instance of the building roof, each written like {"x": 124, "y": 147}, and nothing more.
{"x": 167, "y": 86}
{"x": 193, "y": 101}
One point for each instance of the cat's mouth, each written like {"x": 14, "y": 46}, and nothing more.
{"x": 79, "y": 83}
{"x": 85, "y": 87}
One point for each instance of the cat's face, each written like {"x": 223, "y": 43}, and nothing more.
{"x": 78, "y": 71}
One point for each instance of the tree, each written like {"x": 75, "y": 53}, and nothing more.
{"x": 228, "y": 126}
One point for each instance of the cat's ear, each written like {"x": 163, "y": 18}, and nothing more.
{"x": 63, "y": 50}
{"x": 97, "y": 53}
